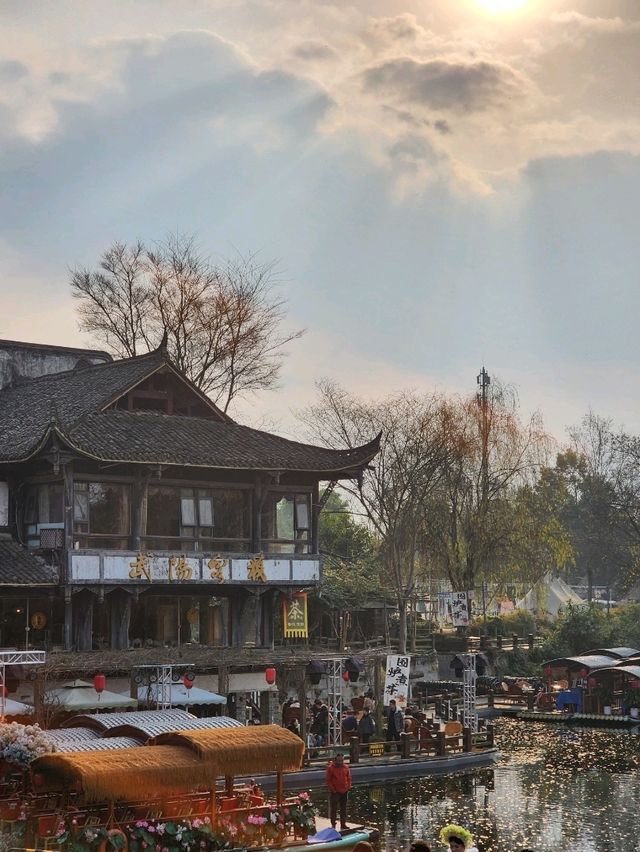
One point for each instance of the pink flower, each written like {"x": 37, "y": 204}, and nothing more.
{"x": 151, "y": 828}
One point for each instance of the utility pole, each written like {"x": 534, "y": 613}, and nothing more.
{"x": 483, "y": 380}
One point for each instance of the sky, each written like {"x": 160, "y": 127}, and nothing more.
{"x": 443, "y": 183}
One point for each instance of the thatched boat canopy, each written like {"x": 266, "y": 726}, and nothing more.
{"x": 254, "y": 750}
{"x": 130, "y": 774}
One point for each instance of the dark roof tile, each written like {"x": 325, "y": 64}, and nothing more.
{"x": 155, "y": 438}
{"x": 29, "y": 409}
{"x": 18, "y": 567}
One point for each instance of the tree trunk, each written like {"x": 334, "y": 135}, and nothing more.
{"x": 402, "y": 626}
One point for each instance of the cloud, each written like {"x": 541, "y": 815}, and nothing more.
{"x": 595, "y": 25}
{"x": 403, "y": 27}
{"x": 313, "y": 50}
{"x": 11, "y": 70}
{"x": 454, "y": 85}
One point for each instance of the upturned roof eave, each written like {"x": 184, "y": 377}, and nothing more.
{"x": 347, "y": 471}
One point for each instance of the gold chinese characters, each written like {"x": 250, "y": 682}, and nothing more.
{"x": 216, "y": 567}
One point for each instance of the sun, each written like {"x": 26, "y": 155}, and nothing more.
{"x": 498, "y": 6}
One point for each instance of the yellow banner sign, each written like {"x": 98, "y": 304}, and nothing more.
{"x": 294, "y": 611}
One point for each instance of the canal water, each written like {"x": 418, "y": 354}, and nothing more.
{"x": 556, "y": 789}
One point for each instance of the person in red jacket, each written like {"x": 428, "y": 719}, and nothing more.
{"x": 339, "y": 784}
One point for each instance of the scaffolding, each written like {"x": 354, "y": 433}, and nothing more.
{"x": 335, "y": 684}
{"x": 469, "y": 712}
{"x": 16, "y": 658}
{"x": 158, "y": 681}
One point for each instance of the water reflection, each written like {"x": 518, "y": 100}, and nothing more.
{"x": 555, "y": 789}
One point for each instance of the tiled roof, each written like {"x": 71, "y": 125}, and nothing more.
{"x": 154, "y": 438}
{"x": 73, "y": 405}
{"x": 29, "y": 409}
{"x": 18, "y": 567}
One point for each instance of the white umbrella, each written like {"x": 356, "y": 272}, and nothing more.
{"x": 16, "y": 708}
{"x": 180, "y": 695}
{"x": 80, "y": 695}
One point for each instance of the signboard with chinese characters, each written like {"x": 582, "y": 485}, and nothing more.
{"x": 294, "y": 613}
{"x": 145, "y": 569}
{"x": 460, "y": 609}
{"x": 396, "y": 681}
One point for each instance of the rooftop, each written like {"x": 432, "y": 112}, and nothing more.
{"x": 76, "y": 407}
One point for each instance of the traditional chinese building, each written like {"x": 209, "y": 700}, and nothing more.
{"x": 134, "y": 512}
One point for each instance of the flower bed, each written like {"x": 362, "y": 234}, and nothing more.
{"x": 21, "y": 744}
{"x": 266, "y": 826}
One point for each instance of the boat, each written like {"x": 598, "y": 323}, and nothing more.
{"x": 169, "y": 791}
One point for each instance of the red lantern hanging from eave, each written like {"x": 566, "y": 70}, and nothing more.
{"x": 187, "y": 680}
{"x": 345, "y": 676}
{"x": 99, "y": 682}
{"x": 270, "y": 675}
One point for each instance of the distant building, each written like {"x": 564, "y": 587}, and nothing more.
{"x": 133, "y": 511}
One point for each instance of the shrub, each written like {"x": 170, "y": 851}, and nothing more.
{"x": 578, "y": 629}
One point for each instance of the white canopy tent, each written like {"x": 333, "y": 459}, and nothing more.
{"x": 550, "y": 595}
{"x": 16, "y": 708}
{"x": 180, "y": 695}
{"x": 77, "y": 695}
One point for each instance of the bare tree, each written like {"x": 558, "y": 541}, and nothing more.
{"x": 224, "y": 322}
{"x": 395, "y": 488}
{"x": 473, "y": 524}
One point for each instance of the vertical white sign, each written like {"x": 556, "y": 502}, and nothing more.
{"x": 396, "y": 681}
{"x": 459, "y": 609}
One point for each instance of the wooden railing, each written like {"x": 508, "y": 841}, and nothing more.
{"x": 424, "y": 743}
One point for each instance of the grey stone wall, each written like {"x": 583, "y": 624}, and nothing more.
{"x": 26, "y": 360}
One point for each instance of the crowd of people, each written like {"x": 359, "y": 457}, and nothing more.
{"x": 358, "y": 720}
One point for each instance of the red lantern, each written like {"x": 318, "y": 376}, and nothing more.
{"x": 38, "y": 779}
{"x": 592, "y": 682}
{"x": 345, "y": 676}
{"x": 584, "y": 672}
{"x": 99, "y": 683}
{"x": 270, "y": 675}
{"x": 547, "y": 671}
{"x": 187, "y": 680}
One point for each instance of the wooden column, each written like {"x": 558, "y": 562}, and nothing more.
{"x": 68, "y": 620}
{"x": 67, "y": 479}
{"x": 315, "y": 519}
{"x": 139, "y": 509}
{"x": 259, "y": 493}
{"x": 67, "y": 508}
{"x": 223, "y": 682}
{"x": 119, "y": 619}
{"x": 268, "y": 617}
{"x": 83, "y": 620}
{"x": 238, "y": 606}
{"x": 302, "y": 698}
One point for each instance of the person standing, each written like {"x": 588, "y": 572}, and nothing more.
{"x": 366, "y": 726}
{"x": 339, "y": 783}
{"x": 395, "y": 722}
